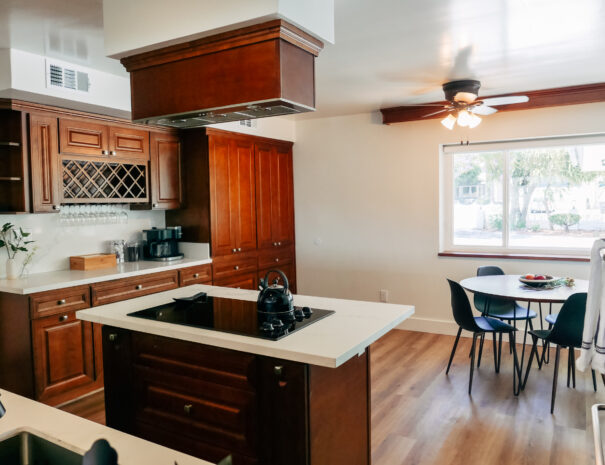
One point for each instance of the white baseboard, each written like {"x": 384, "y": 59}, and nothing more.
{"x": 432, "y": 325}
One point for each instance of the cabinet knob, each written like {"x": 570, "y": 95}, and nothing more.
{"x": 275, "y": 244}
{"x": 138, "y": 287}
{"x": 277, "y": 259}
{"x": 61, "y": 302}
{"x": 112, "y": 337}
{"x": 63, "y": 318}
{"x": 155, "y": 205}
{"x": 113, "y": 153}
{"x": 56, "y": 207}
{"x": 236, "y": 267}
{"x": 187, "y": 408}
{"x": 279, "y": 243}
{"x": 234, "y": 250}
{"x": 196, "y": 275}
{"x": 278, "y": 370}
{"x": 104, "y": 152}
{"x": 239, "y": 249}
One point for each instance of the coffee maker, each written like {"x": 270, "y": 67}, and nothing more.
{"x": 162, "y": 245}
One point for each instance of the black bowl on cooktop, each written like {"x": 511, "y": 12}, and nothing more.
{"x": 232, "y": 316}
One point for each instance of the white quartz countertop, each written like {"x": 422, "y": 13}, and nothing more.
{"x": 77, "y": 434}
{"x": 52, "y": 280}
{"x": 329, "y": 342}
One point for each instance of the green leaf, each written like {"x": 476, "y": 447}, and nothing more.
{"x": 24, "y": 234}
{"x": 27, "y": 242}
{"x": 23, "y": 249}
{"x": 2, "y": 243}
{"x": 6, "y": 227}
{"x": 13, "y": 248}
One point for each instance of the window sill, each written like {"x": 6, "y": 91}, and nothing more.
{"x": 514, "y": 256}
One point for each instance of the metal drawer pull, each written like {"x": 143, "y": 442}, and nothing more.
{"x": 61, "y": 302}
{"x": 278, "y": 370}
{"x": 112, "y": 337}
{"x": 239, "y": 249}
{"x": 196, "y": 275}
{"x": 187, "y": 408}
{"x": 155, "y": 205}
{"x": 113, "y": 152}
{"x": 279, "y": 243}
{"x": 138, "y": 286}
{"x": 63, "y": 318}
{"x": 277, "y": 259}
{"x": 236, "y": 267}
{"x": 56, "y": 207}
{"x": 275, "y": 244}
{"x": 234, "y": 250}
{"x": 104, "y": 152}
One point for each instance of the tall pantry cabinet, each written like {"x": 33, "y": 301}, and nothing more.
{"x": 238, "y": 196}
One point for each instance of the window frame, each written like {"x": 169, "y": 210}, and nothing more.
{"x": 446, "y": 197}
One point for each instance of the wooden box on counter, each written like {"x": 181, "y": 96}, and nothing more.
{"x": 96, "y": 261}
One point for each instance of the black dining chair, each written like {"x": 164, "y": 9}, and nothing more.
{"x": 503, "y": 309}
{"x": 565, "y": 333}
{"x": 478, "y": 325}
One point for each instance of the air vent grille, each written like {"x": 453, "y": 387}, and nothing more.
{"x": 66, "y": 78}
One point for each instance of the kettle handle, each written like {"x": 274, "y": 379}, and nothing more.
{"x": 265, "y": 281}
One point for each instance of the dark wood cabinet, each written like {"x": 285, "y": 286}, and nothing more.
{"x": 274, "y": 195}
{"x": 44, "y": 162}
{"x": 201, "y": 274}
{"x": 128, "y": 288}
{"x": 232, "y": 195}
{"x": 165, "y": 169}
{"x": 211, "y": 402}
{"x": 128, "y": 143}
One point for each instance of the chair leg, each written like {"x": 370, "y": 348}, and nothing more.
{"x": 495, "y": 346}
{"x": 470, "y": 379}
{"x": 500, "y": 353}
{"x": 533, "y": 353}
{"x": 554, "y": 379}
{"x": 510, "y": 346}
{"x": 572, "y": 363}
{"x": 480, "y": 350}
{"x": 594, "y": 380}
{"x": 516, "y": 367}
{"x": 541, "y": 320}
{"x": 453, "y": 351}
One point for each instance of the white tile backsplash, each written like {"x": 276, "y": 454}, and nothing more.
{"x": 57, "y": 242}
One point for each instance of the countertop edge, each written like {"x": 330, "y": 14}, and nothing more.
{"x": 98, "y": 279}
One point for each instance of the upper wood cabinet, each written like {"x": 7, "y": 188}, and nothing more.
{"x": 274, "y": 195}
{"x": 128, "y": 143}
{"x": 232, "y": 195}
{"x": 81, "y": 137}
{"x": 45, "y": 176}
{"x": 165, "y": 171}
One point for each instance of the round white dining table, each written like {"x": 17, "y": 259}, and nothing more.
{"x": 509, "y": 287}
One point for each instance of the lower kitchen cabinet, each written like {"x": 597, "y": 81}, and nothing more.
{"x": 240, "y": 281}
{"x": 211, "y": 402}
{"x": 65, "y": 365}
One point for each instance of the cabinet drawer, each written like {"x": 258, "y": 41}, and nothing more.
{"x": 128, "y": 143}
{"x": 81, "y": 137}
{"x": 201, "y": 274}
{"x": 239, "y": 281}
{"x": 59, "y": 301}
{"x": 129, "y": 288}
{"x": 227, "y": 266}
{"x": 275, "y": 257}
{"x": 213, "y": 413}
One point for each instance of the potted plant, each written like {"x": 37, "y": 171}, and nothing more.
{"x": 14, "y": 239}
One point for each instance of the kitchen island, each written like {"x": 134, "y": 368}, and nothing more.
{"x": 304, "y": 399}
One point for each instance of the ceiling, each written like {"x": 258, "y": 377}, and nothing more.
{"x": 387, "y": 52}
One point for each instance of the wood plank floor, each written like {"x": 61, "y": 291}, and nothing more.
{"x": 420, "y": 416}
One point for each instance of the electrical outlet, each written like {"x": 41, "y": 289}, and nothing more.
{"x": 384, "y": 295}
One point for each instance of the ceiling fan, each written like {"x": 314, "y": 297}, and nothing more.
{"x": 464, "y": 107}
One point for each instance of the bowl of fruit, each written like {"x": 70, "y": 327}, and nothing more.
{"x": 537, "y": 280}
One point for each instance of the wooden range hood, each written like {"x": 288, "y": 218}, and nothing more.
{"x": 263, "y": 70}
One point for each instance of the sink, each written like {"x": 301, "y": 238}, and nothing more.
{"x": 26, "y": 448}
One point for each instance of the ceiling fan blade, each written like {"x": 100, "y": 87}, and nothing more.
{"x": 483, "y": 110}
{"x": 507, "y": 100}
{"x": 436, "y": 112}
{"x": 421, "y": 105}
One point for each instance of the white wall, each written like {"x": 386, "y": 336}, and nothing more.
{"x": 58, "y": 242}
{"x": 367, "y": 206}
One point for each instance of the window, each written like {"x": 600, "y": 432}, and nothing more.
{"x": 543, "y": 197}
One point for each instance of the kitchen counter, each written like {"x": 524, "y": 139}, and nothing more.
{"x": 78, "y": 434}
{"x": 329, "y": 342}
{"x": 52, "y": 280}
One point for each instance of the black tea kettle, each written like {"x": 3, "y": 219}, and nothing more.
{"x": 273, "y": 298}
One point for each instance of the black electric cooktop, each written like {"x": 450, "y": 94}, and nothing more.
{"x": 232, "y": 316}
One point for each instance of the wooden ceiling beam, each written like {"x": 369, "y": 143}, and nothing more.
{"x": 559, "y": 96}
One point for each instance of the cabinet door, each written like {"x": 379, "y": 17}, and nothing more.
{"x": 274, "y": 195}
{"x": 45, "y": 176}
{"x": 64, "y": 359}
{"x": 128, "y": 143}
{"x": 243, "y": 192}
{"x": 81, "y": 137}
{"x": 223, "y": 212}
{"x": 165, "y": 172}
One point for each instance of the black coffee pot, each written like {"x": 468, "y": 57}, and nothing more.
{"x": 274, "y": 298}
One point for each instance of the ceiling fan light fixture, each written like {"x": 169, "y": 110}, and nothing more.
{"x": 474, "y": 120}
{"x": 466, "y": 97}
{"x": 464, "y": 118}
{"x": 449, "y": 121}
